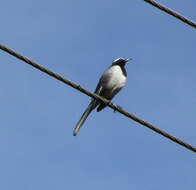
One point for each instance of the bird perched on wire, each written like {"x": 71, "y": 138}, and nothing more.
{"x": 111, "y": 82}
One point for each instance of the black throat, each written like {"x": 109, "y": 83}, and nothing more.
{"x": 123, "y": 70}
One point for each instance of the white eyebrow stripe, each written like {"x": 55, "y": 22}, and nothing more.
{"x": 117, "y": 59}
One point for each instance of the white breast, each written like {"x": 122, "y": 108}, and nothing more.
{"x": 116, "y": 78}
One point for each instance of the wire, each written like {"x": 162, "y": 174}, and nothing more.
{"x": 101, "y": 99}
{"x": 171, "y": 12}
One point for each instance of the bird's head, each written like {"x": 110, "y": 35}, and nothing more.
{"x": 120, "y": 61}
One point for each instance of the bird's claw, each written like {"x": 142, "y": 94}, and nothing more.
{"x": 119, "y": 107}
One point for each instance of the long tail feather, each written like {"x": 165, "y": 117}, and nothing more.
{"x": 84, "y": 116}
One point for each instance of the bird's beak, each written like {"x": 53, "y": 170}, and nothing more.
{"x": 127, "y": 60}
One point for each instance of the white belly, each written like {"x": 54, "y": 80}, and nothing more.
{"x": 114, "y": 81}
{"x": 117, "y": 78}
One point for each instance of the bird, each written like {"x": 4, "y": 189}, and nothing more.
{"x": 111, "y": 82}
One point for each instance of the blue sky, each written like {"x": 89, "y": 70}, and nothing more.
{"x": 79, "y": 39}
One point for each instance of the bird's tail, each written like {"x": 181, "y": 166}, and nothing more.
{"x": 88, "y": 110}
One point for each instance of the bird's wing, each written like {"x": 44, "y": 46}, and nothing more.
{"x": 103, "y": 80}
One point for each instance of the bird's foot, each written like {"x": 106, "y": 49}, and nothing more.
{"x": 109, "y": 102}
{"x": 118, "y": 107}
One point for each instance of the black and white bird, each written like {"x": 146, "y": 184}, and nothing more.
{"x": 111, "y": 82}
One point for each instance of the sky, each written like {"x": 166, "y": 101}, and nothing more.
{"x": 79, "y": 40}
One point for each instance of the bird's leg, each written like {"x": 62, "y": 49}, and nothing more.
{"x": 118, "y": 107}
